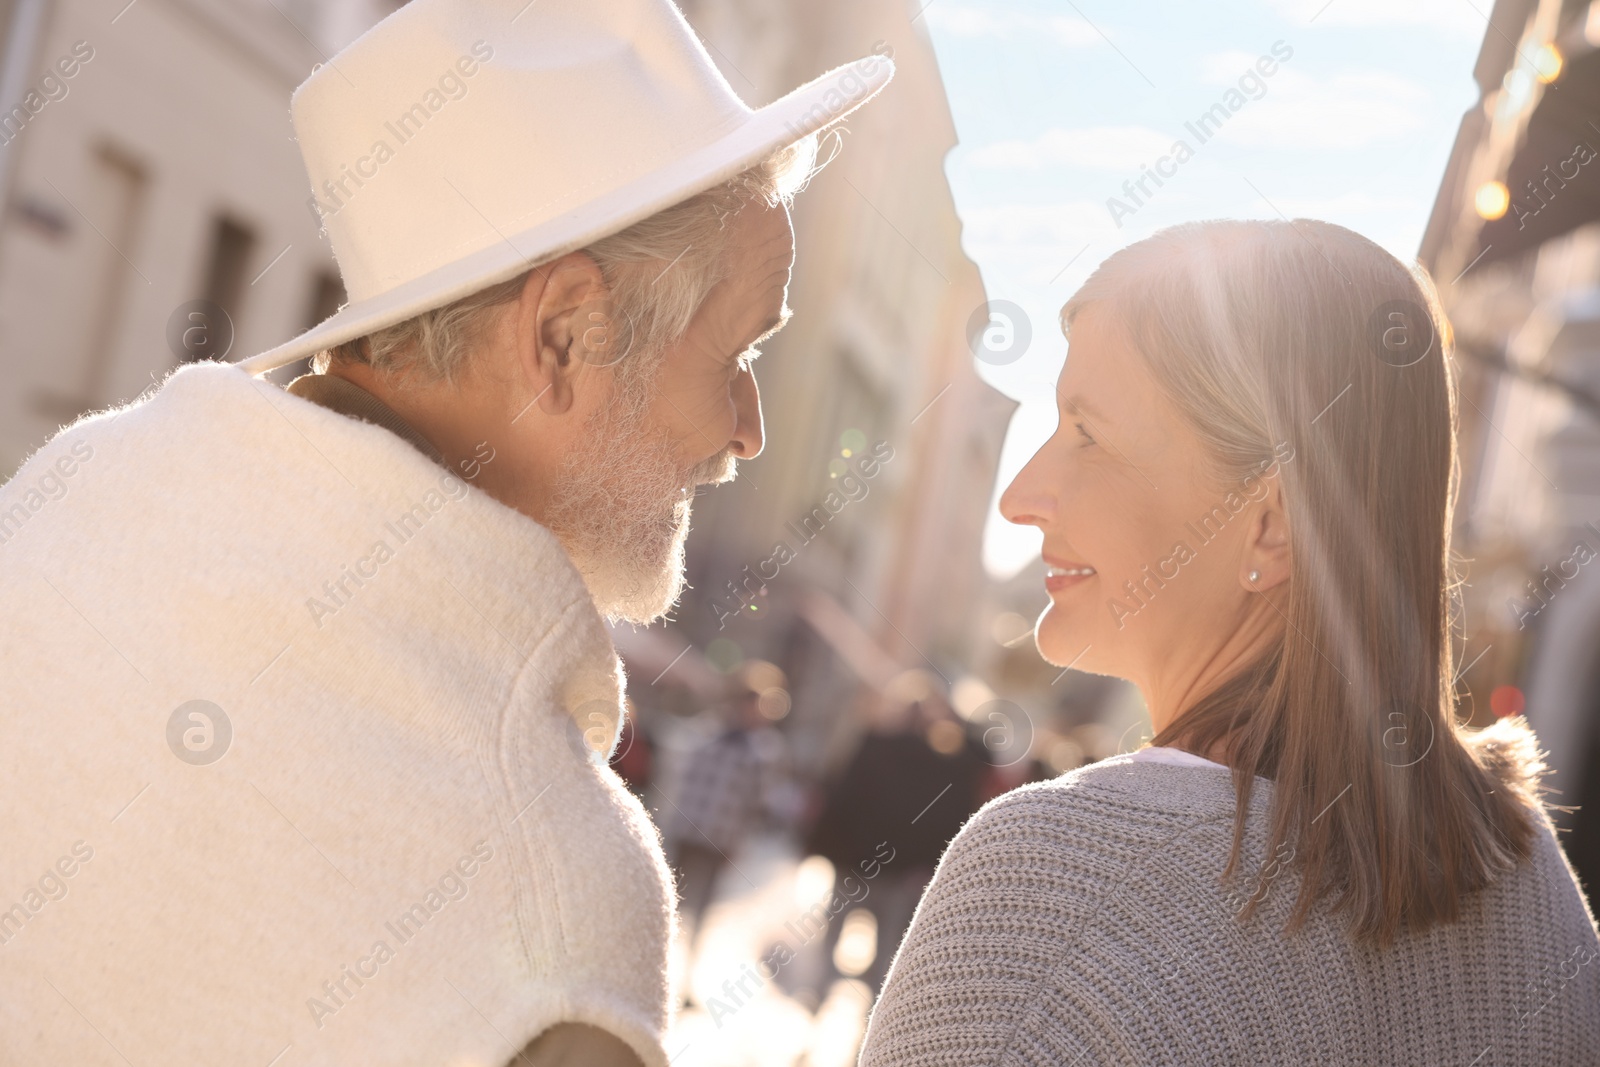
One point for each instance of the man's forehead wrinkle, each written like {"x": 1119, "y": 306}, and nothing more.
{"x": 773, "y": 270}
{"x": 750, "y": 301}
{"x": 776, "y": 245}
{"x": 757, "y": 318}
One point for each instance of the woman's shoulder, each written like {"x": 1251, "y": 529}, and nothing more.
{"x": 1033, "y": 885}
{"x": 1119, "y": 791}
{"x": 1084, "y": 916}
{"x": 1083, "y": 831}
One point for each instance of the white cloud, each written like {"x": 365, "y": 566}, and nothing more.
{"x": 1345, "y": 205}
{"x": 1120, "y": 148}
{"x": 1344, "y": 111}
{"x": 1008, "y": 25}
{"x": 1225, "y": 68}
{"x": 1065, "y": 225}
{"x": 1296, "y": 111}
{"x": 1454, "y": 16}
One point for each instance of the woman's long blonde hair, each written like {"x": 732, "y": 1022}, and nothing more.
{"x": 1264, "y": 332}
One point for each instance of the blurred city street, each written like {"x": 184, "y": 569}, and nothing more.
{"x": 850, "y": 672}
{"x": 781, "y": 1022}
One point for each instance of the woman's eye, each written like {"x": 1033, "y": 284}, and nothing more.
{"x": 1083, "y": 433}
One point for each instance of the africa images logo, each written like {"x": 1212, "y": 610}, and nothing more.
{"x": 49, "y": 886}
{"x": 853, "y": 474}
{"x": 450, "y": 888}
{"x": 1204, "y": 530}
{"x": 1250, "y": 85}
{"x": 450, "y": 85}
{"x": 340, "y": 590}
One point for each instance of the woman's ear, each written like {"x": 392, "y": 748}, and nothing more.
{"x": 1266, "y": 556}
{"x": 553, "y": 327}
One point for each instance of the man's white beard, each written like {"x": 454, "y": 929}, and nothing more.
{"x": 622, "y": 508}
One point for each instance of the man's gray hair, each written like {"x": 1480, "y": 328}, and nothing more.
{"x": 659, "y": 271}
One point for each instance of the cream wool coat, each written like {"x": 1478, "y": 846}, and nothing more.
{"x": 404, "y": 855}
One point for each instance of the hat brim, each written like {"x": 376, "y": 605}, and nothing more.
{"x": 814, "y": 106}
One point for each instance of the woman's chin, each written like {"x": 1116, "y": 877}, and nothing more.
{"x": 1062, "y": 639}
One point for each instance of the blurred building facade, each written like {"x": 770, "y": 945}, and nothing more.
{"x": 147, "y": 163}
{"x": 851, "y": 549}
{"x": 1514, "y": 245}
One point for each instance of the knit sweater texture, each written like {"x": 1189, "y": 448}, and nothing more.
{"x": 1081, "y": 921}
{"x": 387, "y": 836}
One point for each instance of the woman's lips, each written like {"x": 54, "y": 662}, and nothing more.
{"x": 1063, "y": 575}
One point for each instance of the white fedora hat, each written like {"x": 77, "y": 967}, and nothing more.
{"x": 459, "y": 142}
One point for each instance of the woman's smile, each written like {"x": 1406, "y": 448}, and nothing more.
{"x": 1061, "y": 574}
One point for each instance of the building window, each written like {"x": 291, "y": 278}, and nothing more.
{"x": 327, "y": 293}
{"x": 113, "y": 201}
{"x": 231, "y": 244}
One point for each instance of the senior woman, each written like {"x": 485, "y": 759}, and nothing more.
{"x": 1246, "y": 512}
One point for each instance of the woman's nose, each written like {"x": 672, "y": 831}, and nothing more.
{"x": 1029, "y": 499}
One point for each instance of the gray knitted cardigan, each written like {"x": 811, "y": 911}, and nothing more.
{"x": 1081, "y": 921}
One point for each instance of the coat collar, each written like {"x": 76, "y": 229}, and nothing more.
{"x": 350, "y": 529}
{"x": 348, "y": 398}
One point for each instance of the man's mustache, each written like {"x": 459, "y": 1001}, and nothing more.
{"x": 720, "y": 468}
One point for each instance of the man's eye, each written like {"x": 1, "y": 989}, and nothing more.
{"x": 1083, "y": 433}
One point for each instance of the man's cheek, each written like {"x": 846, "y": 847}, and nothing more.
{"x": 702, "y": 422}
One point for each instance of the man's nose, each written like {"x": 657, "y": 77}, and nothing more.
{"x": 748, "y": 437}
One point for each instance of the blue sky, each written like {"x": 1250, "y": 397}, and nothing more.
{"x": 1058, "y": 104}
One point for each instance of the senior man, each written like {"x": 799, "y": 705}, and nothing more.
{"x": 308, "y": 691}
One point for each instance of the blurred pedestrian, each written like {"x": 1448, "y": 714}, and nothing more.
{"x": 634, "y": 758}
{"x": 721, "y": 795}
{"x": 916, "y": 776}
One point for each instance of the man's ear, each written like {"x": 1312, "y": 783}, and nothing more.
{"x": 1267, "y": 551}
{"x": 553, "y": 327}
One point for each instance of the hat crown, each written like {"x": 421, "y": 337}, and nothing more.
{"x": 452, "y": 125}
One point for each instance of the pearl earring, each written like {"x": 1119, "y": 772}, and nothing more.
{"x": 1255, "y": 576}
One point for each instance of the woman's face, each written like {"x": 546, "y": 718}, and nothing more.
{"x": 1146, "y": 550}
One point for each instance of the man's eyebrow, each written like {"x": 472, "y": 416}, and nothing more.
{"x": 773, "y": 325}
